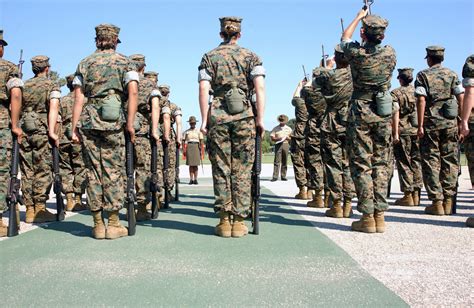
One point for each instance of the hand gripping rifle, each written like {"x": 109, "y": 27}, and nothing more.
{"x": 176, "y": 180}
{"x": 58, "y": 185}
{"x": 367, "y": 5}
{"x": 130, "y": 199}
{"x": 154, "y": 185}
{"x": 257, "y": 168}
{"x": 13, "y": 190}
{"x": 166, "y": 166}
{"x": 304, "y": 73}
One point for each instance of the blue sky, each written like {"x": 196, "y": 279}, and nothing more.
{"x": 173, "y": 35}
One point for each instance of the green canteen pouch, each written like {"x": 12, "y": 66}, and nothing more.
{"x": 450, "y": 109}
{"x": 234, "y": 99}
{"x": 30, "y": 120}
{"x": 111, "y": 107}
{"x": 384, "y": 103}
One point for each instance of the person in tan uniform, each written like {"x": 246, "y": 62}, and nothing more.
{"x": 281, "y": 135}
{"x": 193, "y": 149}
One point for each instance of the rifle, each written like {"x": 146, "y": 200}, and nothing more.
{"x": 257, "y": 168}
{"x": 305, "y": 75}
{"x": 131, "y": 198}
{"x": 166, "y": 165}
{"x": 325, "y": 56}
{"x": 176, "y": 183}
{"x": 20, "y": 64}
{"x": 342, "y": 25}
{"x": 58, "y": 186}
{"x": 455, "y": 197}
{"x": 13, "y": 190}
{"x": 154, "y": 185}
{"x": 367, "y": 5}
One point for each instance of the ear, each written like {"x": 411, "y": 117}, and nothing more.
{"x": 362, "y": 34}
{"x": 239, "y": 35}
{"x": 221, "y": 35}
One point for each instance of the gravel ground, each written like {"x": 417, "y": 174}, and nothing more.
{"x": 426, "y": 260}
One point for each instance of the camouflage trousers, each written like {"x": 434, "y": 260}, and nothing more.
{"x": 313, "y": 156}
{"x": 297, "y": 147}
{"x": 232, "y": 154}
{"x": 5, "y": 156}
{"x": 336, "y": 165}
{"x": 72, "y": 168}
{"x": 142, "y": 160}
{"x": 369, "y": 155}
{"x": 104, "y": 158}
{"x": 408, "y": 157}
{"x": 280, "y": 161}
{"x": 469, "y": 151}
{"x": 170, "y": 174}
{"x": 439, "y": 162}
{"x": 36, "y": 168}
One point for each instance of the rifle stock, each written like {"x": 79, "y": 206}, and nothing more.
{"x": 154, "y": 186}
{"x": 367, "y": 5}
{"x": 166, "y": 165}
{"x": 13, "y": 190}
{"x": 58, "y": 186}
{"x": 132, "y": 221}
{"x": 256, "y": 170}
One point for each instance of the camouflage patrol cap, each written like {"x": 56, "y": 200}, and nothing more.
{"x": 374, "y": 24}
{"x": 2, "y": 41}
{"x": 468, "y": 68}
{"x": 434, "y": 51}
{"x": 230, "y": 24}
{"x": 107, "y": 30}
{"x": 138, "y": 60}
{"x": 39, "y": 62}
{"x": 407, "y": 72}
{"x": 151, "y": 74}
{"x": 282, "y": 118}
{"x": 164, "y": 86}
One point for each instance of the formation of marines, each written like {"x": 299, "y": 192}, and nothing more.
{"x": 347, "y": 123}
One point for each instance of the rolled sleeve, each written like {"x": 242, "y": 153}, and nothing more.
{"x": 458, "y": 89}
{"x": 155, "y": 93}
{"x": 55, "y": 94}
{"x": 204, "y": 75}
{"x": 77, "y": 81}
{"x": 131, "y": 76}
{"x": 258, "y": 70}
{"x": 177, "y": 112}
{"x": 166, "y": 110}
{"x": 420, "y": 91}
{"x": 14, "y": 83}
{"x": 468, "y": 82}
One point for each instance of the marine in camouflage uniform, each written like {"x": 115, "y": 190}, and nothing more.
{"x": 152, "y": 76}
{"x": 336, "y": 86}
{"x": 10, "y": 98}
{"x": 316, "y": 105}
{"x": 109, "y": 82}
{"x": 72, "y": 168}
{"x": 297, "y": 143}
{"x": 232, "y": 72}
{"x": 370, "y": 129}
{"x": 406, "y": 146}
{"x": 39, "y": 95}
{"x": 467, "y": 123}
{"x": 438, "y": 91}
{"x": 147, "y": 92}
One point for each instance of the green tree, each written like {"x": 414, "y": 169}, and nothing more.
{"x": 53, "y": 75}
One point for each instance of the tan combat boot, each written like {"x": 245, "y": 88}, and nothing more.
{"x": 336, "y": 210}
{"x": 326, "y": 198}
{"x": 448, "y": 205}
{"x": 436, "y": 208}
{"x": 470, "y": 222}
{"x": 30, "y": 214}
{"x": 366, "y": 224}
{"x": 379, "y": 221}
{"x": 310, "y": 194}
{"x": 406, "y": 200}
{"x": 69, "y": 202}
{"x": 224, "y": 228}
{"x": 302, "y": 194}
{"x": 416, "y": 197}
{"x": 239, "y": 228}
{"x": 42, "y": 214}
{"x": 3, "y": 227}
{"x": 347, "y": 208}
{"x": 317, "y": 200}
{"x": 98, "y": 231}
{"x": 114, "y": 228}
{"x": 142, "y": 213}
{"x": 78, "y": 205}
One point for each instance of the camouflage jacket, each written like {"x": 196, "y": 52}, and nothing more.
{"x": 67, "y": 103}
{"x": 37, "y": 93}
{"x": 371, "y": 67}
{"x": 301, "y": 116}
{"x": 314, "y": 99}
{"x": 438, "y": 85}
{"x": 468, "y": 79}
{"x": 226, "y": 64}
{"x": 173, "y": 110}
{"x": 405, "y": 97}
{"x": 146, "y": 91}
{"x": 8, "y": 80}
{"x": 336, "y": 86}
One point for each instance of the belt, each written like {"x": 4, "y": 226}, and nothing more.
{"x": 363, "y": 95}
{"x": 193, "y": 142}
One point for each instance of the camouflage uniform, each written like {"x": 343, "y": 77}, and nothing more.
{"x": 316, "y": 105}
{"x": 35, "y": 149}
{"x": 369, "y": 135}
{"x": 103, "y": 75}
{"x": 336, "y": 87}
{"x": 297, "y": 143}
{"x": 8, "y": 80}
{"x": 468, "y": 81}
{"x": 72, "y": 168}
{"x": 439, "y": 146}
{"x": 231, "y": 137}
{"x": 407, "y": 151}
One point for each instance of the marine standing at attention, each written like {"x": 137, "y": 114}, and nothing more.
{"x": 231, "y": 123}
